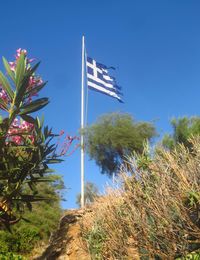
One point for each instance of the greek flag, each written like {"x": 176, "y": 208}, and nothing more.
{"x": 99, "y": 80}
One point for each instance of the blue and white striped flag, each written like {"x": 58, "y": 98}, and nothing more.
{"x": 99, "y": 80}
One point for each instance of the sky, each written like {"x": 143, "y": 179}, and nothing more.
{"x": 155, "y": 46}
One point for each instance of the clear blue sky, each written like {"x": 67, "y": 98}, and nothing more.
{"x": 154, "y": 44}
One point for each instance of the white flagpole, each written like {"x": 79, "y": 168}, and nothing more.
{"x": 82, "y": 122}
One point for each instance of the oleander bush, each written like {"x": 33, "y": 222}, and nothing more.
{"x": 26, "y": 146}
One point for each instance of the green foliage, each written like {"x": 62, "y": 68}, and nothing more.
{"x": 95, "y": 239}
{"x": 24, "y": 152}
{"x": 43, "y": 220}
{"x": 114, "y": 137}
{"x": 183, "y": 129}
{"x": 11, "y": 256}
{"x": 21, "y": 241}
{"x": 154, "y": 213}
{"x": 90, "y": 193}
{"x": 191, "y": 256}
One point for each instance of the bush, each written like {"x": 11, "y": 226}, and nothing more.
{"x": 11, "y": 256}
{"x": 154, "y": 214}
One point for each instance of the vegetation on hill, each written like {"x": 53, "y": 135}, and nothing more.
{"x": 183, "y": 129}
{"x": 155, "y": 212}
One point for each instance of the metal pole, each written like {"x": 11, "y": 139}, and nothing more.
{"x": 82, "y": 123}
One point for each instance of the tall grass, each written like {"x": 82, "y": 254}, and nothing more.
{"x": 155, "y": 214}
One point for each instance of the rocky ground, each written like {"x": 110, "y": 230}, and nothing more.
{"x": 66, "y": 243}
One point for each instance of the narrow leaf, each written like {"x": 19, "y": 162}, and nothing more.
{"x": 28, "y": 119}
{"x": 6, "y": 86}
{"x": 26, "y": 220}
{"x": 24, "y": 84}
{"x": 49, "y": 170}
{"x": 34, "y": 106}
{"x": 20, "y": 70}
{"x": 54, "y": 161}
{"x": 38, "y": 122}
{"x": 42, "y": 120}
{"x": 8, "y": 69}
{"x": 39, "y": 180}
{"x": 35, "y": 89}
{"x": 3, "y": 105}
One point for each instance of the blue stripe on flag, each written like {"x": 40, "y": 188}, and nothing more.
{"x": 119, "y": 99}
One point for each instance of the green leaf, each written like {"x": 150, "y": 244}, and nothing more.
{"x": 46, "y": 131}
{"x": 24, "y": 84}
{"x": 30, "y": 71}
{"x": 40, "y": 123}
{"x": 28, "y": 119}
{"x": 48, "y": 170}
{"x": 34, "y": 106}
{"x": 35, "y": 89}
{"x": 3, "y": 104}
{"x": 9, "y": 71}
{"x": 39, "y": 180}
{"x": 20, "y": 70}
{"x": 50, "y": 149}
{"x": 48, "y": 161}
{"x": 26, "y": 220}
{"x": 6, "y": 86}
{"x": 22, "y": 92}
{"x": 30, "y": 198}
{"x": 42, "y": 120}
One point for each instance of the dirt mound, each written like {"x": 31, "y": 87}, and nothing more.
{"x": 66, "y": 243}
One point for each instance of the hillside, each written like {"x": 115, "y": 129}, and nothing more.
{"x": 152, "y": 213}
{"x": 66, "y": 243}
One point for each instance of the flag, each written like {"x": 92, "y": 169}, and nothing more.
{"x": 98, "y": 79}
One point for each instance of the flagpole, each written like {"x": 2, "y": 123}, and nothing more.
{"x": 82, "y": 122}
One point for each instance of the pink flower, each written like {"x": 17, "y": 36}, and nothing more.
{"x": 12, "y": 65}
{"x": 20, "y": 128}
{"x": 19, "y": 52}
{"x": 61, "y": 132}
{"x": 65, "y": 147}
{"x": 34, "y": 80}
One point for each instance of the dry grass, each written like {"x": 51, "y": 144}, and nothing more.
{"x": 154, "y": 214}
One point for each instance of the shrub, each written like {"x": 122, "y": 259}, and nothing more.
{"x": 11, "y": 256}
{"x": 26, "y": 147}
{"x": 154, "y": 214}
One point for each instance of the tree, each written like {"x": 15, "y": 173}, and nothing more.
{"x": 90, "y": 193}
{"x": 113, "y": 137}
{"x": 183, "y": 129}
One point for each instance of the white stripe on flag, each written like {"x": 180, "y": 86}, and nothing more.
{"x": 107, "y": 77}
{"x": 108, "y": 85}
